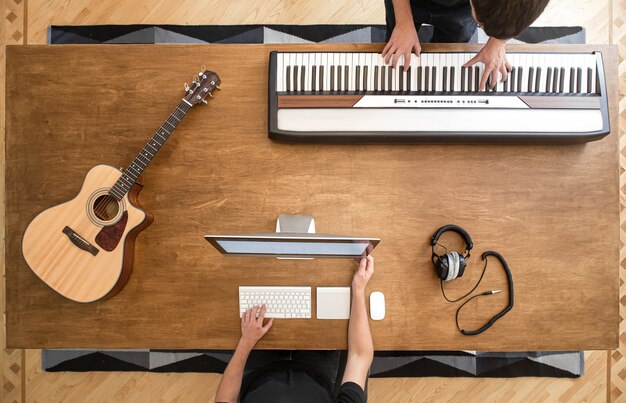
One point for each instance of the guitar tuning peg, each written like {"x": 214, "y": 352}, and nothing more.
{"x": 205, "y": 101}
{"x": 196, "y": 80}
{"x": 218, "y": 87}
{"x": 203, "y": 68}
{"x": 187, "y": 87}
{"x": 211, "y": 95}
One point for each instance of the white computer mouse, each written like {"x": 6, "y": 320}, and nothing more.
{"x": 377, "y": 305}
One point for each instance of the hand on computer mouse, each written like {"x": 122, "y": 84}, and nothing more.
{"x": 252, "y": 329}
{"x": 363, "y": 273}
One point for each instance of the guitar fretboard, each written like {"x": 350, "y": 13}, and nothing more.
{"x": 141, "y": 161}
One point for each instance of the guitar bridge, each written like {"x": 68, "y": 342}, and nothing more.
{"x": 79, "y": 241}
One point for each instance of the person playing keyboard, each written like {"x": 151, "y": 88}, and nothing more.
{"x": 456, "y": 21}
{"x": 303, "y": 376}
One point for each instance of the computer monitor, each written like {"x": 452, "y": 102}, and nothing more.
{"x": 295, "y": 239}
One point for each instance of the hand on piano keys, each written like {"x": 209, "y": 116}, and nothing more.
{"x": 403, "y": 41}
{"x": 493, "y": 57}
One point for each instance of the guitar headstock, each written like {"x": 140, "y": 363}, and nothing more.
{"x": 201, "y": 86}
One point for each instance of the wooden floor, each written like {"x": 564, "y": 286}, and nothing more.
{"x": 27, "y": 21}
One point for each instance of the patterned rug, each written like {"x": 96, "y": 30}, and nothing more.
{"x": 386, "y": 363}
{"x": 562, "y": 364}
{"x": 127, "y": 34}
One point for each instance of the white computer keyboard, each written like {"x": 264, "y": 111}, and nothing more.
{"x": 280, "y": 302}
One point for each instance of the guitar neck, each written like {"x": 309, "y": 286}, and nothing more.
{"x": 141, "y": 161}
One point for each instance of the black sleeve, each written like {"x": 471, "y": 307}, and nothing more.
{"x": 350, "y": 392}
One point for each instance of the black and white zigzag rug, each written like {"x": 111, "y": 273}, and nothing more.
{"x": 386, "y": 364}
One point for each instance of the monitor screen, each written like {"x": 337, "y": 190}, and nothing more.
{"x": 293, "y": 245}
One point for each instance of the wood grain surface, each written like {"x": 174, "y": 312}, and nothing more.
{"x": 551, "y": 211}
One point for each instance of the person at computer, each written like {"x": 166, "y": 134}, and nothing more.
{"x": 293, "y": 381}
{"x": 456, "y": 21}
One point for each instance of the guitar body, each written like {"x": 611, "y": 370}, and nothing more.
{"x": 83, "y": 248}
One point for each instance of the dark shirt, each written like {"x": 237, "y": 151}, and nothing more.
{"x": 289, "y": 381}
{"x": 437, "y": 5}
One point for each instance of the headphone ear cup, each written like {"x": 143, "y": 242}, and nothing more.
{"x": 462, "y": 266}
{"x": 451, "y": 265}
{"x": 442, "y": 268}
{"x": 455, "y": 260}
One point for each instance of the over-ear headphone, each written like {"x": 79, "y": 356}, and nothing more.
{"x": 451, "y": 265}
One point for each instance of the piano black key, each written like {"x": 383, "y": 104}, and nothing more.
{"x": 302, "y": 77}
{"x": 400, "y": 78}
{"x": 346, "y": 77}
{"x": 470, "y": 79}
{"x": 434, "y": 76}
{"x": 476, "y": 78}
{"x": 339, "y": 81}
{"x": 589, "y": 78}
{"x": 513, "y": 79}
{"x": 389, "y": 79}
{"x": 426, "y": 78}
{"x": 579, "y": 73}
{"x": 445, "y": 78}
{"x": 572, "y": 80}
{"x": 452, "y": 74}
{"x": 408, "y": 79}
{"x": 288, "y": 78}
{"x": 463, "y": 73}
{"x": 549, "y": 80}
{"x": 520, "y": 76}
{"x": 383, "y": 78}
{"x": 561, "y": 79}
{"x": 332, "y": 78}
{"x": 357, "y": 82}
{"x": 538, "y": 79}
{"x": 488, "y": 83}
{"x": 313, "y": 76}
{"x": 365, "y": 81}
{"x": 321, "y": 77}
{"x": 555, "y": 80}
{"x": 295, "y": 78}
{"x": 531, "y": 78}
{"x": 419, "y": 78}
{"x": 376, "y": 76}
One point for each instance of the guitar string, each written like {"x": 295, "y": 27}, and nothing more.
{"x": 102, "y": 205}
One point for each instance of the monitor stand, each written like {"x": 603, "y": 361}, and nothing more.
{"x": 295, "y": 224}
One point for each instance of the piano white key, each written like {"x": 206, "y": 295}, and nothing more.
{"x": 299, "y": 63}
{"x": 544, "y": 72}
{"x": 341, "y": 79}
{"x": 352, "y": 63}
{"x": 402, "y": 76}
{"x": 593, "y": 77}
{"x": 413, "y": 71}
{"x": 280, "y": 72}
{"x": 394, "y": 75}
{"x": 307, "y": 61}
{"x": 326, "y": 71}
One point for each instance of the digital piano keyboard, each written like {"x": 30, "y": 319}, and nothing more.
{"x": 333, "y": 97}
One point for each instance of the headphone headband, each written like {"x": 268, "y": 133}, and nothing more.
{"x": 454, "y": 228}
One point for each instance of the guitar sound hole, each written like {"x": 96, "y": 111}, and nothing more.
{"x": 106, "y": 207}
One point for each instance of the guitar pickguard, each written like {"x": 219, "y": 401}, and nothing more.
{"x": 109, "y": 237}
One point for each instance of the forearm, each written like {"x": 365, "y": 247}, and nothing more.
{"x": 402, "y": 12}
{"x": 229, "y": 387}
{"x": 359, "y": 336}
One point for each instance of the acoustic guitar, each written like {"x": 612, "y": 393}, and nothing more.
{"x": 83, "y": 248}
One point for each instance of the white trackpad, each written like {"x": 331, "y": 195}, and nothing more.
{"x": 333, "y": 302}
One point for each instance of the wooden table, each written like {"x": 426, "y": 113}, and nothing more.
{"x": 552, "y": 211}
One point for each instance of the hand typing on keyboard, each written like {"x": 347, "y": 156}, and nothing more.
{"x": 252, "y": 328}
